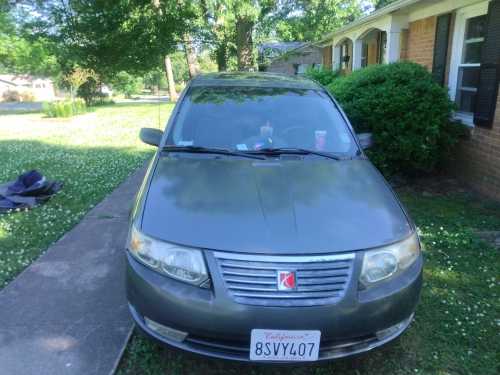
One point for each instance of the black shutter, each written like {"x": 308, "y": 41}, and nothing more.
{"x": 441, "y": 48}
{"x": 489, "y": 73}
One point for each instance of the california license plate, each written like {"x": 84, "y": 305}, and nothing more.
{"x": 278, "y": 345}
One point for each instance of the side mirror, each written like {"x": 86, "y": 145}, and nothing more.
{"x": 365, "y": 140}
{"x": 151, "y": 136}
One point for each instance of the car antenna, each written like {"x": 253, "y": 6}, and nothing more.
{"x": 159, "y": 103}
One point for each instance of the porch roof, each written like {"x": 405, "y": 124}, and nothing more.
{"x": 395, "y": 6}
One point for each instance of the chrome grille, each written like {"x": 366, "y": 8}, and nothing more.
{"x": 253, "y": 279}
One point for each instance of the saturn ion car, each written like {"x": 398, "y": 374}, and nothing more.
{"x": 262, "y": 232}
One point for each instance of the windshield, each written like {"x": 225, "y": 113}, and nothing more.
{"x": 254, "y": 118}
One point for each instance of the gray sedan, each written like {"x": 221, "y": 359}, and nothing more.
{"x": 262, "y": 232}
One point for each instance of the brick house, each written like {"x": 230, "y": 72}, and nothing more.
{"x": 459, "y": 42}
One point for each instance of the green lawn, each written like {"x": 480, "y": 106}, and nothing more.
{"x": 457, "y": 324}
{"x": 91, "y": 154}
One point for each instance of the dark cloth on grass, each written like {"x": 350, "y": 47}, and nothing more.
{"x": 27, "y": 191}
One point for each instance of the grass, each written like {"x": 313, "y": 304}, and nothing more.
{"x": 91, "y": 154}
{"x": 456, "y": 329}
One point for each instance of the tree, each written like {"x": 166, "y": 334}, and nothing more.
{"x": 170, "y": 78}
{"x": 191, "y": 58}
{"x": 77, "y": 77}
{"x": 20, "y": 51}
{"x": 114, "y": 36}
{"x": 127, "y": 84}
{"x": 217, "y": 31}
{"x": 309, "y": 20}
{"x": 229, "y": 26}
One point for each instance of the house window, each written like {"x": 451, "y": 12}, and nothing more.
{"x": 468, "y": 68}
{"x": 469, "y": 31}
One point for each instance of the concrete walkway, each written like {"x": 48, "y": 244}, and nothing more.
{"x": 67, "y": 312}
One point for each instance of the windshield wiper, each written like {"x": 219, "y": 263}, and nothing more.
{"x": 293, "y": 150}
{"x": 210, "y": 150}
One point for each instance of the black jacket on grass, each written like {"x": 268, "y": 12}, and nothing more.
{"x": 27, "y": 191}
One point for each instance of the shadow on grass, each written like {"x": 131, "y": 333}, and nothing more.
{"x": 88, "y": 175}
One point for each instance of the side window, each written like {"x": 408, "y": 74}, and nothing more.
{"x": 470, "y": 63}
{"x": 468, "y": 37}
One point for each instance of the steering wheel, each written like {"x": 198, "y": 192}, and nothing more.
{"x": 294, "y": 133}
{"x": 286, "y": 131}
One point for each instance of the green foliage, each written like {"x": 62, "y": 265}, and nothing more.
{"x": 155, "y": 79}
{"x": 113, "y": 36}
{"x": 323, "y": 76}
{"x": 127, "y": 84}
{"x": 408, "y": 113}
{"x": 90, "y": 92}
{"x": 64, "y": 108}
{"x": 179, "y": 66}
{"x": 22, "y": 52}
{"x": 312, "y": 19}
{"x": 207, "y": 65}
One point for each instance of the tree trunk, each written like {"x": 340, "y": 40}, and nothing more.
{"x": 192, "y": 62}
{"x": 170, "y": 78}
{"x": 244, "y": 43}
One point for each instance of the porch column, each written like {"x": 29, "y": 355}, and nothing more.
{"x": 397, "y": 25}
{"x": 357, "y": 51}
{"x": 393, "y": 46}
{"x": 336, "y": 58}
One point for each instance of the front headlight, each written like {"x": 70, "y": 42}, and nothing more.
{"x": 381, "y": 263}
{"x": 181, "y": 263}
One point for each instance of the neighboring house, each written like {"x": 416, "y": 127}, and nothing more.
{"x": 296, "y": 60}
{"x": 42, "y": 89}
{"x": 459, "y": 42}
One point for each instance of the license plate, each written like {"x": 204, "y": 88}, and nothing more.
{"x": 278, "y": 345}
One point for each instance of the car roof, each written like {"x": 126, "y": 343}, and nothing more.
{"x": 253, "y": 79}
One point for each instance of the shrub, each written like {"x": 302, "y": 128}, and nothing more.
{"x": 11, "y": 96}
{"x": 64, "y": 108}
{"x": 407, "y": 112}
{"x": 323, "y": 76}
{"x": 89, "y": 91}
{"x": 127, "y": 84}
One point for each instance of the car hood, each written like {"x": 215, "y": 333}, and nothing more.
{"x": 301, "y": 206}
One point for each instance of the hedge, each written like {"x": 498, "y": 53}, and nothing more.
{"x": 407, "y": 112}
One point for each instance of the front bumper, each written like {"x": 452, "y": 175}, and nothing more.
{"x": 217, "y": 326}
